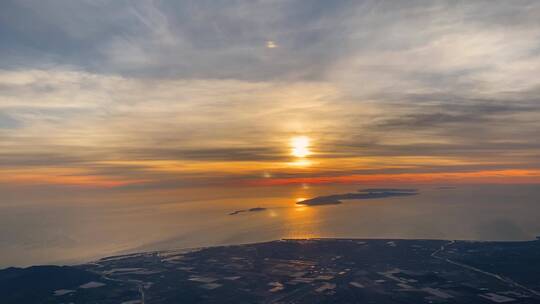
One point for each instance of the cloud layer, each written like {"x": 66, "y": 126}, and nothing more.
{"x": 166, "y": 93}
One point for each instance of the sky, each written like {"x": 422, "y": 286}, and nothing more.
{"x": 160, "y": 95}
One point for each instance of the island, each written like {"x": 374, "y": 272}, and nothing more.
{"x": 371, "y": 193}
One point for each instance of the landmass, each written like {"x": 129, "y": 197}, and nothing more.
{"x": 370, "y": 193}
{"x": 256, "y": 209}
{"x": 294, "y": 271}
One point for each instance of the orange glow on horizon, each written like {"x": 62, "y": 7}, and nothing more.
{"x": 487, "y": 176}
{"x": 66, "y": 178}
{"x": 73, "y": 177}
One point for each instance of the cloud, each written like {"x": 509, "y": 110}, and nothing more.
{"x": 155, "y": 39}
{"x": 460, "y": 44}
{"x": 8, "y": 122}
{"x": 166, "y": 91}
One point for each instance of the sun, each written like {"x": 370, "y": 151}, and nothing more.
{"x": 300, "y": 146}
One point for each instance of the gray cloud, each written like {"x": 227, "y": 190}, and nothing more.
{"x": 217, "y": 154}
{"x": 469, "y": 112}
{"x": 215, "y": 39}
{"x": 156, "y": 38}
{"x": 8, "y": 122}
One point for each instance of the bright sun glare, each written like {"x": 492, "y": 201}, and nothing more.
{"x": 300, "y": 146}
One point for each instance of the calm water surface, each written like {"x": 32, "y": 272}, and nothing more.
{"x": 81, "y": 226}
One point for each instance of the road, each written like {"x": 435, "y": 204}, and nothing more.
{"x": 140, "y": 285}
{"x": 491, "y": 274}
